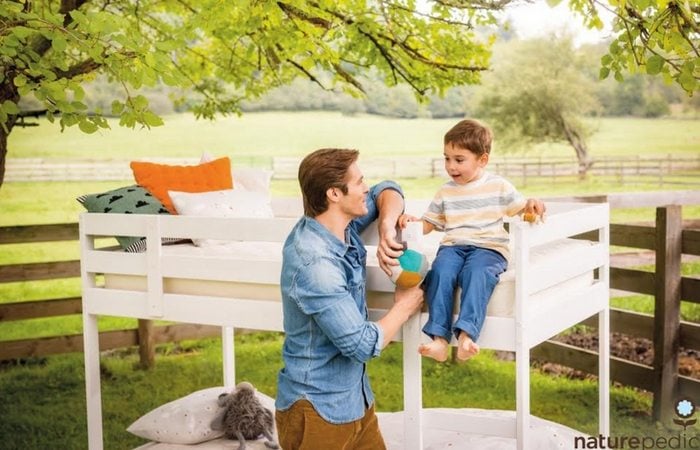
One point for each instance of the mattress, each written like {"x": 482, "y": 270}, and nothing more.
{"x": 500, "y": 305}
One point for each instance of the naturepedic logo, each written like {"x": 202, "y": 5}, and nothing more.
{"x": 684, "y": 409}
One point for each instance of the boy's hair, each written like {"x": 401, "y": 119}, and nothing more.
{"x": 321, "y": 170}
{"x": 472, "y": 135}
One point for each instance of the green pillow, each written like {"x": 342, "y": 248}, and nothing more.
{"x": 126, "y": 200}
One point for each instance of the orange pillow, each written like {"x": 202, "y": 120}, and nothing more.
{"x": 158, "y": 179}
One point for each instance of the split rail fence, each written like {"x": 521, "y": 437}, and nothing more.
{"x": 667, "y": 238}
{"x": 676, "y": 169}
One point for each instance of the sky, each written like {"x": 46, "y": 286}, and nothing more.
{"x": 538, "y": 19}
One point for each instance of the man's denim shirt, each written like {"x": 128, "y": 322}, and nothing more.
{"x": 328, "y": 337}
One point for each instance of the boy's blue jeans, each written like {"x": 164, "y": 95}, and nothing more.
{"x": 474, "y": 269}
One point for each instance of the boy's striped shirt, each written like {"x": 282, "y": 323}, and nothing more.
{"x": 472, "y": 214}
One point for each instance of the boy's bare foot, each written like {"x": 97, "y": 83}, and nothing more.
{"x": 466, "y": 348}
{"x": 438, "y": 349}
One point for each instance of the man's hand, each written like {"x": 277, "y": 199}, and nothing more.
{"x": 410, "y": 300}
{"x": 388, "y": 249}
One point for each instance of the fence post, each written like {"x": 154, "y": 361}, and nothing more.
{"x": 147, "y": 344}
{"x": 667, "y": 301}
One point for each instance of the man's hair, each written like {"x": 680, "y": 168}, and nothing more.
{"x": 321, "y": 170}
{"x": 472, "y": 135}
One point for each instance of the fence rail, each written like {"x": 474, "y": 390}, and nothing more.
{"x": 518, "y": 168}
{"x": 667, "y": 238}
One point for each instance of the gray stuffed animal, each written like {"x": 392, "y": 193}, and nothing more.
{"x": 244, "y": 417}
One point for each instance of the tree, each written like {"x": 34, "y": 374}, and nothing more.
{"x": 537, "y": 93}
{"x": 656, "y": 36}
{"x": 231, "y": 51}
{"x": 226, "y": 51}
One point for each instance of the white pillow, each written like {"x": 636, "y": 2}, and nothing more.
{"x": 227, "y": 203}
{"x": 187, "y": 420}
{"x": 248, "y": 178}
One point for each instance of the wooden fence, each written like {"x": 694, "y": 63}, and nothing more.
{"x": 684, "y": 168}
{"x": 667, "y": 238}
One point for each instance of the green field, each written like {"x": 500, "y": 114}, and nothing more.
{"x": 295, "y": 134}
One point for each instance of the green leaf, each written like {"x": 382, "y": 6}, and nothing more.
{"x": 58, "y": 44}
{"x": 152, "y": 120}
{"x": 117, "y": 107}
{"x": 604, "y": 72}
{"x": 654, "y": 64}
{"x": 10, "y": 107}
{"x": 20, "y": 80}
{"x": 687, "y": 81}
{"x": 86, "y": 126}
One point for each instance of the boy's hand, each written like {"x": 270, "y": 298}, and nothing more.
{"x": 405, "y": 218}
{"x": 534, "y": 208}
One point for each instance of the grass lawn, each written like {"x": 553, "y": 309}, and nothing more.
{"x": 295, "y": 134}
{"x": 44, "y": 405}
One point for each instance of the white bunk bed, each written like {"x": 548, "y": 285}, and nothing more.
{"x": 553, "y": 283}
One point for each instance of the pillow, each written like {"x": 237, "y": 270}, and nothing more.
{"x": 126, "y": 200}
{"x": 188, "y": 419}
{"x": 227, "y": 203}
{"x": 158, "y": 179}
{"x": 249, "y": 178}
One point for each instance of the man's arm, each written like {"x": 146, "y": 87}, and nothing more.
{"x": 406, "y": 303}
{"x": 390, "y": 204}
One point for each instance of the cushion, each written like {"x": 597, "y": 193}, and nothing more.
{"x": 225, "y": 203}
{"x": 249, "y": 178}
{"x": 188, "y": 419}
{"x": 125, "y": 200}
{"x": 158, "y": 179}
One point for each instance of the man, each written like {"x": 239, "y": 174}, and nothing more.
{"x": 324, "y": 400}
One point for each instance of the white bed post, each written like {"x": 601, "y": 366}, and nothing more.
{"x": 412, "y": 385}
{"x": 91, "y": 352}
{"x": 604, "y": 336}
{"x": 229, "y": 357}
{"x": 522, "y": 345}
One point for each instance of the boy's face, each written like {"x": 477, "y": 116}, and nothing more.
{"x": 462, "y": 165}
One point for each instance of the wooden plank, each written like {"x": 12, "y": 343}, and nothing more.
{"x": 626, "y": 322}
{"x": 26, "y": 348}
{"x": 623, "y": 371}
{"x": 642, "y": 325}
{"x": 147, "y": 345}
{"x": 667, "y": 304}
{"x": 632, "y": 280}
{"x": 690, "y": 289}
{"x": 690, "y": 335}
{"x": 688, "y": 387}
{"x": 653, "y": 199}
{"x": 40, "y": 308}
{"x": 39, "y": 271}
{"x": 691, "y": 242}
{"x": 633, "y": 236}
{"x": 39, "y": 233}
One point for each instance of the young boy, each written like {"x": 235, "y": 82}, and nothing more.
{"x": 473, "y": 253}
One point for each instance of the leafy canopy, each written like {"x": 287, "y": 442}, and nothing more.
{"x": 660, "y": 37}
{"x": 228, "y": 51}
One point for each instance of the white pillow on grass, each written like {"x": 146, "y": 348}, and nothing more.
{"x": 188, "y": 419}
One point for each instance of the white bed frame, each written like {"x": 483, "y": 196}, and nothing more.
{"x": 530, "y": 325}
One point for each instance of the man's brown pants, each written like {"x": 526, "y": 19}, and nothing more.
{"x": 301, "y": 428}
